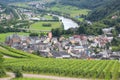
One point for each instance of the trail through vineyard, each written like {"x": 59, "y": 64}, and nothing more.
{"x": 11, "y": 75}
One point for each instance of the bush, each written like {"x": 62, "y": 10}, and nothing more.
{"x": 18, "y": 73}
{"x": 46, "y": 25}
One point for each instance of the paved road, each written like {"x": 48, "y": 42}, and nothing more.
{"x": 40, "y": 76}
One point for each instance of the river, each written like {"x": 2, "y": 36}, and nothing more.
{"x": 68, "y": 23}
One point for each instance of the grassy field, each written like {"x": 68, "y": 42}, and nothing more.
{"x": 39, "y": 26}
{"x": 48, "y": 17}
{"x": 30, "y": 79}
{"x": 4, "y": 35}
{"x": 73, "y": 11}
{"x": 21, "y": 4}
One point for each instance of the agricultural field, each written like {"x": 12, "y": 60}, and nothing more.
{"x": 4, "y": 35}
{"x": 21, "y": 4}
{"x": 39, "y": 25}
{"x": 13, "y": 53}
{"x": 95, "y": 69}
{"x": 29, "y": 63}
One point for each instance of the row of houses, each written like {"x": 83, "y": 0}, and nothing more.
{"x": 76, "y": 46}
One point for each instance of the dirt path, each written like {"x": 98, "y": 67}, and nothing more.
{"x": 11, "y": 75}
{"x": 50, "y": 77}
{"x": 41, "y": 76}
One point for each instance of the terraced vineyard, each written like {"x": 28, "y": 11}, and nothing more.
{"x": 73, "y": 68}
{"x": 5, "y": 50}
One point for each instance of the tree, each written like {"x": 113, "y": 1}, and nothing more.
{"x": 57, "y": 32}
{"x": 18, "y": 73}
{"x": 81, "y": 30}
{"x": 114, "y": 32}
{"x": 33, "y": 34}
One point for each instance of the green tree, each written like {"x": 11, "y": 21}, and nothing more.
{"x": 114, "y": 32}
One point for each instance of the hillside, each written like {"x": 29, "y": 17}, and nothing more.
{"x": 89, "y": 4}
{"x": 11, "y": 1}
{"x": 111, "y": 8}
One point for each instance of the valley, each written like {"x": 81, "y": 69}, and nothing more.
{"x": 59, "y": 40}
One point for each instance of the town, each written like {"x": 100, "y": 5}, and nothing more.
{"x": 59, "y": 39}
{"x": 76, "y": 46}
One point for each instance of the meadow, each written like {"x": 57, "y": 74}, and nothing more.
{"x": 48, "y": 17}
{"x": 21, "y": 4}
{"x": 39, "y": 25}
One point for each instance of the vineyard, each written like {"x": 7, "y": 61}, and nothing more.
{"x": 73, "y": 68}
{"x": 5, "y": 50}
{"x": 25, "y": 62}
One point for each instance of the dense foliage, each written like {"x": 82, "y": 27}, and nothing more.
{"x": 85, "y": 28}
{"x": 110, "y": 8}
{"x": 12, "y": 1}
{"x": 2, "y": 71}
{"x": 90, "y": 4}
{"x": 73, "y": 68}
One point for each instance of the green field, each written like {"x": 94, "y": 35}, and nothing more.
{"x": 73, "y": 11}
{"x": 48, "y": 17}
{"x": 30, "y": 79}
{"x": 4, "y": 35}
{"x": 21, "y": 4}
{"x": 39, "y": 26}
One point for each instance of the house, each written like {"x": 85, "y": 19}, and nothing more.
{"x": 64, "y": 54}
{"x": 13, "y": 40}
{"x": 44, "y": 54}
{"x": 54, "y": 40}
{"x": 115, "y": 55}
{"x": 107, "y": 30}
{"x": 79, "y": 48}
{"x": 60, "y": 54}
{"x": 55, "y": 54}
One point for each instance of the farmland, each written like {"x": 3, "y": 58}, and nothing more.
{"x": 24, "y": 5}
{"x": 39, "y": 25}
{"x": 72, "y": 68}
{"x": 11, "y": 52}
{"x": 95, "y": 69}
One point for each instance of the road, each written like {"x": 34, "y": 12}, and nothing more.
{"x": 40, "y": 76}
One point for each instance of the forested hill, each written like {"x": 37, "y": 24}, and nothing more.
{"x": 90, "y": 4}
{"x": 12, "y": 1}
{"x": 111, "y": 8}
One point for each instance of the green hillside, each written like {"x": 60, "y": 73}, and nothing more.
{"x": 111, "y": 8}
{"x": 89, "y": 4}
